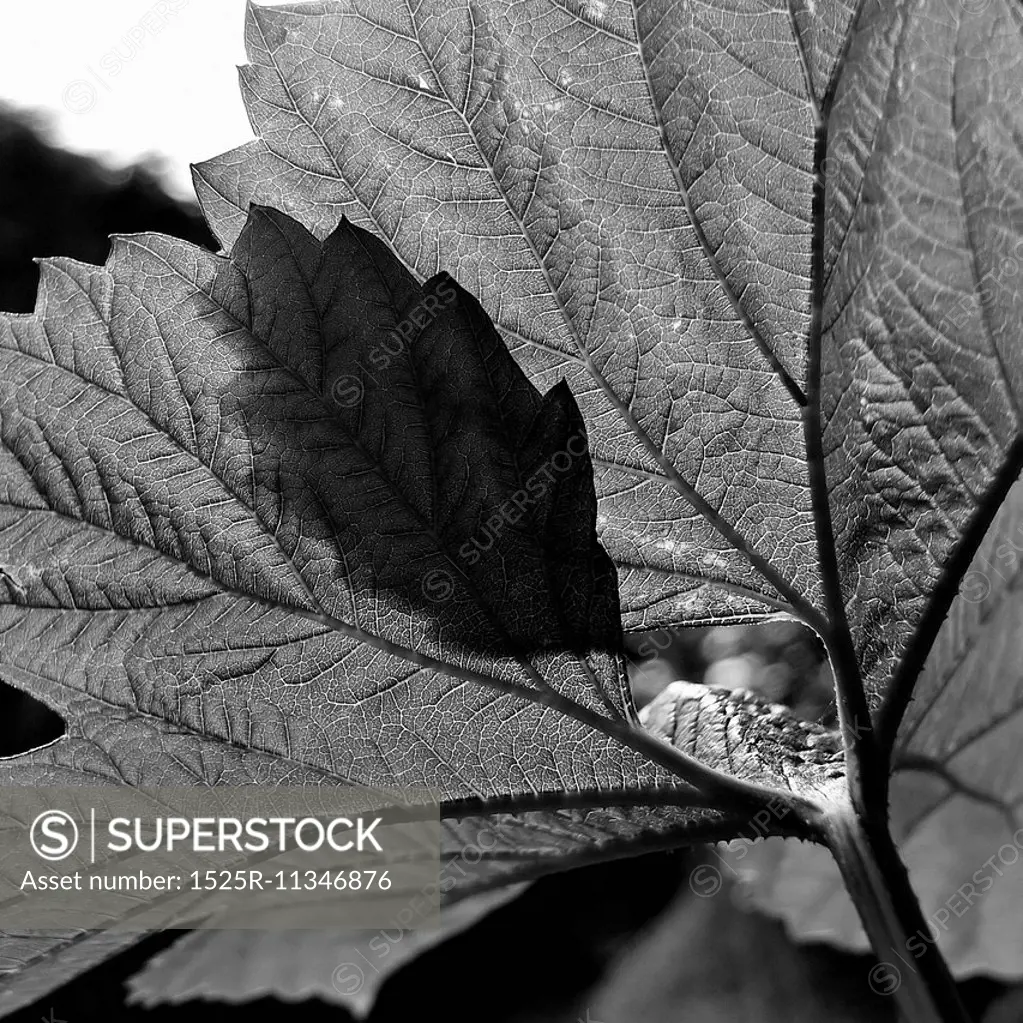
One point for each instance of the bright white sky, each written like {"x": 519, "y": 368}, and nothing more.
{"x": 128, "y": 78}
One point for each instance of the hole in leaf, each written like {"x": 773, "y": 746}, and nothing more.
{"x": 781, "y": 662}
{"x": 25, "y": 722}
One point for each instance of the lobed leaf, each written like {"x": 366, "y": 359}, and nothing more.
{"x": 770, "y": 249}
{"x": 631, "y": 226}
{"x": 220, "y": 561}
{"x": 290, "y": 517}
{"x": 797, "y": 398}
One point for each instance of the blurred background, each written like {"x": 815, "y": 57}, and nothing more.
{"x": 98, "y": 121}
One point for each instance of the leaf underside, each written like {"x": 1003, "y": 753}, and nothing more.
{"x": 220, "y": 570}
{"x": 629, "y": 190}
{"x": 796, "y": 401}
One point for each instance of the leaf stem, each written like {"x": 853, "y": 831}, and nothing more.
{"x": 910, "y": 966}
{"x": 714, "y": 787}
{"x": 866, "y": 768}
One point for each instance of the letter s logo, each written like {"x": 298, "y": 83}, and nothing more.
{"x": 53, "y": 835}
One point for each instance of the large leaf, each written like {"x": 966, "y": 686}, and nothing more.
{"x": 220, "y": 569}
{"x": 560, "y": 192}
{"x": 957, "y": 790}
{"x": 759, "y": 243}
{"x": 629, "y": 189}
